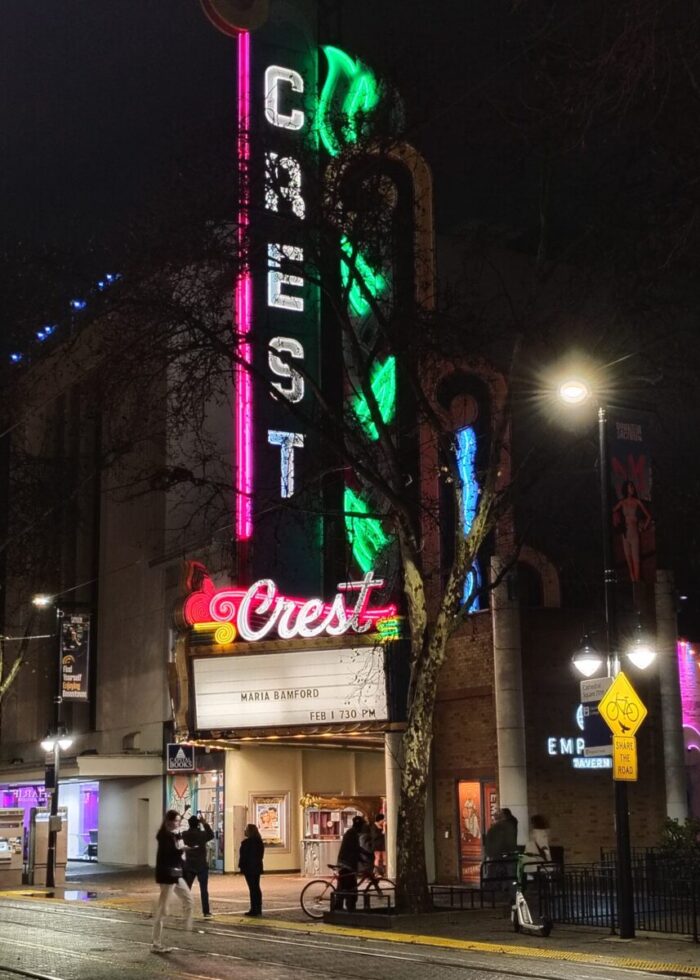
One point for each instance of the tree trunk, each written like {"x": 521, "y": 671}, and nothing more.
{"x": 412, "y": 880}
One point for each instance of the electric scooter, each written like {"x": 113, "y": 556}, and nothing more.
{"x": 520, "y": 914}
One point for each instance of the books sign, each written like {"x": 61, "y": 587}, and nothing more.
{"x": 180, "y": 757}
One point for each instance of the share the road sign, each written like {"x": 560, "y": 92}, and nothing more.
{"x": 621, "y": 708}
{"x": 625, "y": 758}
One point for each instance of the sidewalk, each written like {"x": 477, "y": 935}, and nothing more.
{"x": 479, "y": 930}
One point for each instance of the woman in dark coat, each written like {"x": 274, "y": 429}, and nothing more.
{"x": 170, "y": 876}
{"x": 250, "y": 861}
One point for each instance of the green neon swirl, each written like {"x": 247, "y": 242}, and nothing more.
{"x": 365, "y": 534}
{"x": 373, "y": 280}
{"x": 361, "y": 96}
{"x": 383, "y": 384}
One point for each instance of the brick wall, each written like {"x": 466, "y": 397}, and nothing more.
{"x": 579, "y": 804}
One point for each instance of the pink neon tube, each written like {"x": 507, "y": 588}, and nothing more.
{"x": 243, "y": 310}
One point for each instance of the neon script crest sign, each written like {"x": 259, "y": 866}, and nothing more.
{"x": 262, "y": 610}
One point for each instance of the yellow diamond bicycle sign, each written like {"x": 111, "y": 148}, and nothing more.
{"x": 621, "y": 708}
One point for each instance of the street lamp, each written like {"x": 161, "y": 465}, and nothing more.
{"x": 54, "y": 743}
{"x": 587, "y": 659}
{"x": 575, "y": 391}
{"x": 56, "y": 740}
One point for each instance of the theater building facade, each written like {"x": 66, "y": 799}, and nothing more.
{"x": 286, "y": 667}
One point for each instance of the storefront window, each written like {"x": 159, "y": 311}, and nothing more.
{"x": 24, "y": 798}
{"x": 82, "y": 803}
{"x": 204, "y": 790}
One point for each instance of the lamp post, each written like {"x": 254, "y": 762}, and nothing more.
{"x": 575, "y": 391}
{"x": 55, "y": 742}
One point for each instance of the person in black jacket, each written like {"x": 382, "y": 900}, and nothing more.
{"x": 351, "y": 856}
{"x": 250, "y": 861}
{"x": 170, "y": 876}
{"x": 197, "y": 862}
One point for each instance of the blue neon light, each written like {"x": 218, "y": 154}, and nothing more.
{"x": 16, "y": 357}
{"x": 466, "y": 466}
{"x": 78, "y": 304}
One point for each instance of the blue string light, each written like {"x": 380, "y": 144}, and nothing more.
{"x": 45, "y": 332}
{"x": 77, "y": 305}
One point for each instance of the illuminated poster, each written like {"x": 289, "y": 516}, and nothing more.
{"x": 471, "y": 829}
{"x": 269, "y": 814}
{"x": 75, "y": 653}
{"x": 631, "y": 483}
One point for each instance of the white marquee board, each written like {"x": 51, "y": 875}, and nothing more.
{"x": 304, "y": 687}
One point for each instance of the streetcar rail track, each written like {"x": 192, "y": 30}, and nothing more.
{"x": 347, "y": 945}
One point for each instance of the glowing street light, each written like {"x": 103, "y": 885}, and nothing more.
{"x": 587, "y": 659}
{"x": 42, "y": 600}
{"x": 641, "y": 653}
{"x": 574, "y": 391}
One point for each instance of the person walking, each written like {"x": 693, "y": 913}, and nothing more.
{"x": 511, "y": 822}
{"x": 197, "y": 860}
{"x": 502, "y": 836}
{"x": 170, "y": 876}
{"x": 250, "y": 861}
{"x": 378, "y": 840}
{"x": 537, "y": 849}
{"x": 351, "y": 856}
{"x": 500, "y": 846}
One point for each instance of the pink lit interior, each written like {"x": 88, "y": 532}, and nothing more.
{"x": 689, "y": 677}
{"x": 243, "y": 310}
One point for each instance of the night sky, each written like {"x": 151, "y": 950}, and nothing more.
{"x": 101, "y": 97}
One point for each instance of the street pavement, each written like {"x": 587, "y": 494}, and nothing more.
{"x": 100, "y": 927}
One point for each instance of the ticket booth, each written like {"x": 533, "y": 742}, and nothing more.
{"x": 325, "y": 821}
{"x": 39, "y": 843}
{"x": 11, "y": 841}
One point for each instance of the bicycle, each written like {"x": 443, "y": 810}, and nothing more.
{"x": 622, "y": 707}
{"x": 317, "y": 896}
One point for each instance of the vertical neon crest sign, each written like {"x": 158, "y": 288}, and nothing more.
{"x": 276, "y": 304}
